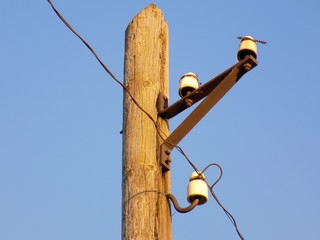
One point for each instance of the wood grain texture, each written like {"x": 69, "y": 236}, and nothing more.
{"x": 145, "y": 209}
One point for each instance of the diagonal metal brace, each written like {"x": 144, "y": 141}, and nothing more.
{"x": 218, "y": 87}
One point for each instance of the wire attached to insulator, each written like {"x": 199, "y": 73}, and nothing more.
{"x": 220, "y": 176}
{"x": 254, "y": 40}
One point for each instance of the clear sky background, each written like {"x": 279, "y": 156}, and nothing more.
{"x": 61, "y": 114}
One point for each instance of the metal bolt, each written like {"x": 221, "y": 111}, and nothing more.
{"x": 247, "y": 67}
{"x": 167, "y": 152}
{"x": 188, "y": 102}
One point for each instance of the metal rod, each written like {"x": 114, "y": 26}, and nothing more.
{"x": 180, "y": 209}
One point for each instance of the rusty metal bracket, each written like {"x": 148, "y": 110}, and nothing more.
{"x": 212, "y": 91}
{"x": 162, "y": 102}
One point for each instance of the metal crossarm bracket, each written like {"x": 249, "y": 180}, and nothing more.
{"x": 212, "y": 91}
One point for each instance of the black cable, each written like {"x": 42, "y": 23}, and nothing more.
{"x": 102, "y": 64}
{"x": 187, "y": 158}
{"x": 159, "y": 131}
{"x": 229, "y": 215}
{"x": 142, "y": 192}
{"x": 220, "y": 176}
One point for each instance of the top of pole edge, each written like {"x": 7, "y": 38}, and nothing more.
{"x": 150, "y": 9}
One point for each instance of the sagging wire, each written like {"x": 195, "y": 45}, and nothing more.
{"x": 229, "y": 215}
{"x": 142, "y": 192}
{"x": 103, "y": 65}
{"x": 84, "y": 42}
{"x": 159, "y": 131}
{"x": 187, "y": 158}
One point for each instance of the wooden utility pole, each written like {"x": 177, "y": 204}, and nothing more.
{"x": 145, "y": 209}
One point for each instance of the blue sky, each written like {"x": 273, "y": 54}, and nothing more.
{"x": 61, "y": 114}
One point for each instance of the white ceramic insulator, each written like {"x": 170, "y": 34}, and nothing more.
{"x": 197, "y": 189}
{"x": 247, "y": 47}
{"x": 188, "y": 83}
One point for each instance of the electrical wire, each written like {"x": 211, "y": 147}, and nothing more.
{"x": 142, "y": 192}
{"x": 103, "y": 65}
{"x": 254, "y": 40}
{"x": 229, "y": 215}
{"x": 220, "y": 175}
{"x": 159, "y": 131}
{"x": 187, "y": 158}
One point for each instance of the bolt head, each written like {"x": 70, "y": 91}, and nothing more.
{"x": 167, "y": 152}
{"x": 188, "y": 102}
{"x": 247, "y": 67}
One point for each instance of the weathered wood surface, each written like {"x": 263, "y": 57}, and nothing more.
{"x": 145, "y": 209}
